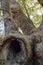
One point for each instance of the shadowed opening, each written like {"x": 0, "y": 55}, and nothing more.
{"x": 15, "y": 45}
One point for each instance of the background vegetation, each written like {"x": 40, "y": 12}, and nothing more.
{"x": 32, "y": 9}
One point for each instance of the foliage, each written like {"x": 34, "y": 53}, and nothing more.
{"x": 32, "y": 9}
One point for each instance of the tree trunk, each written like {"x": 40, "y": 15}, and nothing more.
{"x": 41, "y": 2}
{"x": 20, "y": 18}
{"x": 30, "y": 46}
